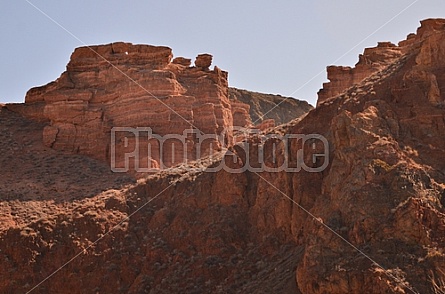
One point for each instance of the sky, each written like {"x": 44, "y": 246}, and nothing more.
{"x": 280, "y": 47}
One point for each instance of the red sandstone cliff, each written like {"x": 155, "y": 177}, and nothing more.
{"x": 201, "y": 232}
{"x": 125, "y": 85}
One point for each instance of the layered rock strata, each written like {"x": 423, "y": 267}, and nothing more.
{"x": 108, "y": 91}
{"x": 126, "y": 85}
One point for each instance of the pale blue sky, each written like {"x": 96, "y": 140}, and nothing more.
{"x": 271, "y": 47}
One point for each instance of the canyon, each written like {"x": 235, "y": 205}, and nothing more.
{"x": 372, "y": 221}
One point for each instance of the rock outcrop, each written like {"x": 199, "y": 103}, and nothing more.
{"x": 372, "y": 221}
{"x": 384, "y": 188}
{"x": 370, "y": 62}
{"x": 378, "y": 58}
{"x": 125, "y": 85}
{"x": 203, "y": 61}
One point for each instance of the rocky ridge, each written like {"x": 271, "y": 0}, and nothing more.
{"x": 377, "y": 58}
{"x": 274, "y": 109}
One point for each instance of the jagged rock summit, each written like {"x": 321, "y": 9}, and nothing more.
{"x": 373, "y": 60}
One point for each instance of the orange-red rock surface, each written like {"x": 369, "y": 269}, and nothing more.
{"x": 373, "y": 220}
{"x": 126, "y": 85}
{"x": 371, "y": 61}
{"x": 377, "y": 58}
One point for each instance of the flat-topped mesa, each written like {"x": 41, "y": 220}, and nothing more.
{"x": 90, "y": 67}
{"x": 426, "y": 44}
{"x": 148, "y": 56}
{"x": 126, "y": 85}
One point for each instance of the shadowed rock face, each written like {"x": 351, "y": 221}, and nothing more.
{"x": 270, "y": 107}
{"x": 383, "y": 190}
{"x": 198, "y": 232}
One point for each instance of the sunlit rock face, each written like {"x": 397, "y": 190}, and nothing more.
{"x": 126, "y": 85}
{"x": 427, "y": 44}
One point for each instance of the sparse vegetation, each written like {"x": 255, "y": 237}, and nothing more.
{"x": 382, "y": 165}
{"x": 438, "y": 282}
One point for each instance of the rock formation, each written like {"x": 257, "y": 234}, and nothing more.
{"x": 371, "y": 61}
{"x": 383, "y": 190}
{"x": 372, "y": 221}
{"x": 203, "y": 61}
{"x": 375, "y": 59}
{"x": 125, "y": 85}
